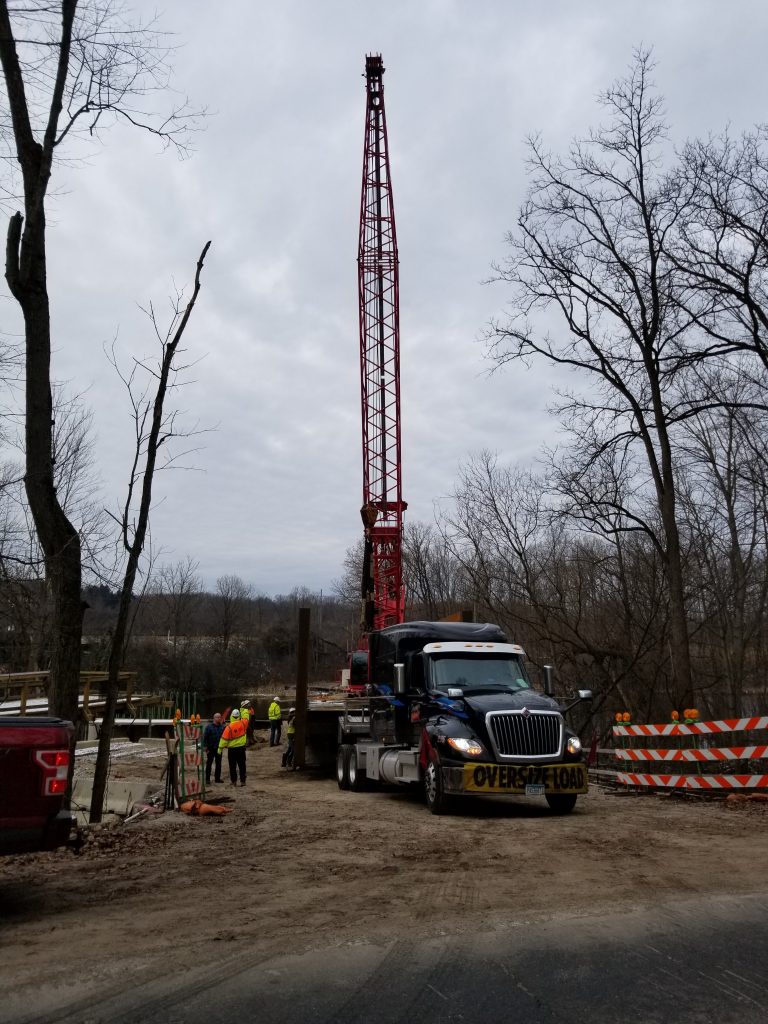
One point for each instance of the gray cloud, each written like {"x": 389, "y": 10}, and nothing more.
{"x": 275, "y": 184}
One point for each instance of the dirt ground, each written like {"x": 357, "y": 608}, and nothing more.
{"x": 301, "y": 865}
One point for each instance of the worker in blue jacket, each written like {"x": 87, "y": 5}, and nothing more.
{"x": 211, "y": 736}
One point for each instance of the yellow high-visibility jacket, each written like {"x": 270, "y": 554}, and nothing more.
{"x": 235, "y": 732}
{"x": 275, "y": 713}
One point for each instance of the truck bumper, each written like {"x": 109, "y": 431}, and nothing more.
{"x": 30, "y": 837}
{"x": 515, "y": 779}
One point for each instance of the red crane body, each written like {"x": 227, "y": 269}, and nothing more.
{"x": 377, "y": 265}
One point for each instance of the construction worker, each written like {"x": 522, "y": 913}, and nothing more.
{"x": 233, "y": 740}
{"x": 275, "y": 716}
{"x": 211, "y": 737}
{"x": 290, "y": 732}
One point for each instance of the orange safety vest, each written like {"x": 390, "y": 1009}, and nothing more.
{"x": 235, "y": 734}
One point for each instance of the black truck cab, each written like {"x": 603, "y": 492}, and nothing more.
{"x": 452, "y": 708}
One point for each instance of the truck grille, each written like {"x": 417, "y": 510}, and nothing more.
{"x": 521, "y": 735}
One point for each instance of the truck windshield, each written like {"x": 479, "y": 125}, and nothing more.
{"x": 480, "y": 672}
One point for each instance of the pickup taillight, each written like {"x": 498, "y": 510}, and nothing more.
{"x": 55, "y": 765}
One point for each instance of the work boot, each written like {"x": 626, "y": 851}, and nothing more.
{"x": 242, "y": 782}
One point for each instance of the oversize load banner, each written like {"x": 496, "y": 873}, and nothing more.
{"x": 513, "y": 778}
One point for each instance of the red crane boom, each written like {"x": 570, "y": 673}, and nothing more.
{"x": 377, "y": 266}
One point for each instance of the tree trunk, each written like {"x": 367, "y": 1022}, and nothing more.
{"x": 135, "y": 546}
{"x": 58, "y": 537}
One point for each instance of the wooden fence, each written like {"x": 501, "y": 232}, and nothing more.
{"x": 23, "y": 693}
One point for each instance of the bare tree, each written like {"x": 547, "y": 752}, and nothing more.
{"x": 231, "y": 607}
{"x": 435, "y": 582}
{"x": 724, "y": 504}
{"x": 177, "y": 588}
{"x": 590, "y": 247}
{"x": 155, "y": 427}
{"x": 67, "y": 68}
{"x": 589, "y": 604}
{"x": 77, "y": 486}
{"x": 722, "y": 241}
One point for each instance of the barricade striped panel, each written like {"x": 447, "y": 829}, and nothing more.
{"x": 694, "y": 782}
{"x": 192, "y": 759}
{"x": 728, "y": 782}
{"x": 661, "y": 781}
{"x": 754, "y": 753}
{"x": 694, "y": 729}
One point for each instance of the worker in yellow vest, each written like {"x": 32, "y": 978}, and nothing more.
{"x": 290, "y": 732}
{"x": 275, "y": 716}
{"x": 233, "y": 740}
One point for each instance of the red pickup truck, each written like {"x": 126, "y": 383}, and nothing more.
{"x": 35, "y": 755}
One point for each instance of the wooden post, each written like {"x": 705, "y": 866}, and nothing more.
{"x": 302, "y": 682}
{"x": 23, "y": 700}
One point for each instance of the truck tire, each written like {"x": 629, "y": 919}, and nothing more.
{"x": 355, "y": 775}
{"x": 561, "y": 803}
{"x": 434, "y": 793}
{"x": 342, "y": 765}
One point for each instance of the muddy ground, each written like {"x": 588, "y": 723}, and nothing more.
{"x": 300, "y": 865}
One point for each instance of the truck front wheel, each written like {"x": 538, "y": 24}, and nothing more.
{"x": 561, "y": 803}
{"x": 434, "y": 793}
{"x": 342, "y": 765}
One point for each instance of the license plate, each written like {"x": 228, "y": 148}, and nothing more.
{"x": 531, "y": 790}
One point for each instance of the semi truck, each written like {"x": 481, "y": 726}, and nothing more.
{"x": 451, "y": 708}
{"x": 35, "y": 757}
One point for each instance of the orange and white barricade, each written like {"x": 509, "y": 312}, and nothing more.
{"x": 696, "y": 758}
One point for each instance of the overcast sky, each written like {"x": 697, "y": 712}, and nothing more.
{"x": 274, "y": 182}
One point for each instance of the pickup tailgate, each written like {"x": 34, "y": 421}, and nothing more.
{"x": 30, "y": 817}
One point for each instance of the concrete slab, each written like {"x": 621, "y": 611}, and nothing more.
{"x": 119, "y": 797}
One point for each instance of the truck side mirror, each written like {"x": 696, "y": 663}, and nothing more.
{"x": 399, "y": 678}
{"x": 581, "y": 695}
{"x": 549, "y": 685}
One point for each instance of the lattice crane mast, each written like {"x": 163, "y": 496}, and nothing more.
{"x": 377, "y": 264}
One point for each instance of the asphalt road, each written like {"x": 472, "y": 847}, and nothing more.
{"x": 685, "y": 963}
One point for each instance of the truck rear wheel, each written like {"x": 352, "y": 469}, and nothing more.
{"x": 561, "y": 803}
{"x": 354, "y": 773}
{"x": 342, "y": 765}
{"x": 434, "y": 792}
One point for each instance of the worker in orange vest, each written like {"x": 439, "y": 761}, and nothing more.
{"x": 233, "y": 740}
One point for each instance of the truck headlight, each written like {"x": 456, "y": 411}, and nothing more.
{"x": 471, "y": 748}
{"x": 573, "y": 746}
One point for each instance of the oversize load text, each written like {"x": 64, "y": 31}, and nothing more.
{"x": 512, "y": 778}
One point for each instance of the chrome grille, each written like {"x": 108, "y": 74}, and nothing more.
{"x": 521, "y": 735}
